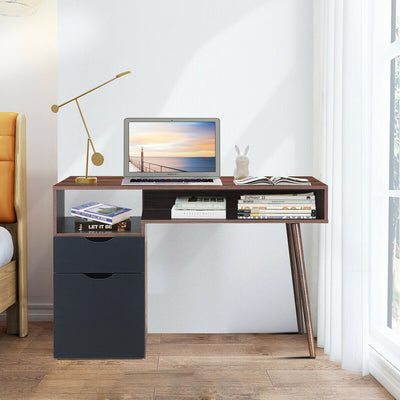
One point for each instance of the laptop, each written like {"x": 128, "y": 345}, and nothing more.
{"x": 171, "y": 151}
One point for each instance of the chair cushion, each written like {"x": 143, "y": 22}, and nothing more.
{"x": 7, "y": 166}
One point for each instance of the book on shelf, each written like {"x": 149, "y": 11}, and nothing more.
{"x": 197, "y": 214}
{"x": 273, "y": 206}
{"x": 277, "y": 213}
{"x": 282, "y": 206}
{"x": 276, "y": 217}
{"x": 278, "y": 203}
{"x": 274, "y": 180}
{"x": 84, "y": 225}
{"x": 290, "y": 197}
{"x": 100, "y": 212}
{"x": 200, "y": 203}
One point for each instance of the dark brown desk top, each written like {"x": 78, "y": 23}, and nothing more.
{"x": 114, "y": 183}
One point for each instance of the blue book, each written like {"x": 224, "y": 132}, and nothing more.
{"x": 100, "y": 212}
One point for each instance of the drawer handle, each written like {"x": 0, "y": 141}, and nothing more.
{"x": 98, "y": 239}
{"x": 98, "y": 275}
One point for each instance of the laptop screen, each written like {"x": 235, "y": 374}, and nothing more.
{"x": 171, "y": 147}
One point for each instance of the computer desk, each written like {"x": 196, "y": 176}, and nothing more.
{"x": 98, "y": 265}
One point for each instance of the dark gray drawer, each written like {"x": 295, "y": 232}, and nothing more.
{"x": 99, "y": 316}
{"x": 107, "y": 254}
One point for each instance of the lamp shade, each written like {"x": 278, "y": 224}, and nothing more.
{"x": 19, "y": 8}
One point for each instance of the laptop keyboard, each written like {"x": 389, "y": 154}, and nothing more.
{"x": 171, "y": 181}
{"x": 177, "y": 180}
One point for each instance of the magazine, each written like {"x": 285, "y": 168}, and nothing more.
{"x": 274, "y": 180}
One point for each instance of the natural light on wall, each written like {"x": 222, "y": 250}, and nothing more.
{"x": 19, "y": 8}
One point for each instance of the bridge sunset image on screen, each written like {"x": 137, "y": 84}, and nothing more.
{"x": 172, "y": 146}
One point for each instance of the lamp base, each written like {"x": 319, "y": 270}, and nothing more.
{"x": 86, "y": 179}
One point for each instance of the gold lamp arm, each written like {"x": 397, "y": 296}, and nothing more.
{"x": 84, "y": 123}
{"x": 56, "y": 107}
{"x": 97, "y": 158}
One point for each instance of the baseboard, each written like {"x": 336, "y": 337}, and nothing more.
{"x": 384, "y": 372}
{"x": 36, "y": 312}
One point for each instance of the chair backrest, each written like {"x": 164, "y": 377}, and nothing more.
{"x": 7, "y": 166}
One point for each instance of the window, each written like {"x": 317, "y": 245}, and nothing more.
{"x": 384, "y": 287}
{"x": 395, "y": 31}
{"x": 394, "y": 181}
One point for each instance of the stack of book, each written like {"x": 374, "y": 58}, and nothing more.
{"x": 99, "y": 217}
{"x": 277, "y": 206}
{"x": 199, "y": 207}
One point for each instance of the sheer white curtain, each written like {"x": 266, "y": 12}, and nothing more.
{"x": 341, "y": 126}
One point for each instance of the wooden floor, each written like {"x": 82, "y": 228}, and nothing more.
{"x": 180, "y": 367}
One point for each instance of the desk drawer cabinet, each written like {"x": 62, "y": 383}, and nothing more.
{"x": 99, "y": 297}
{"x": 98, "y": 254}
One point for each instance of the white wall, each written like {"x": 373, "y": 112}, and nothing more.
{"x": 28, "y": 85}
{"x": 248, "y": 63}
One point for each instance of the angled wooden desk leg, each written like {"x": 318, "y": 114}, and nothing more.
{"x": 298, "y": 249}
{"x": 295, "y": 279}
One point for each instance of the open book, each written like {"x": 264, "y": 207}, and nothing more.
{"x": 274, "y": 180}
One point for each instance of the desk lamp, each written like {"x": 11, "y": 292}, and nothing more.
{"x": 97, "y": 158}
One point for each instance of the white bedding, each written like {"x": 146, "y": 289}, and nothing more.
{"x": 6, "y": 247}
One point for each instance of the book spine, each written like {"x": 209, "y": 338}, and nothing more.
{"x": 265, "y": 206}
{"x": 278, "y": 201}
{"x": 294, "y": 202}
{"x": 277, "y": 212}
{"x": 200, "y": 206}
{"x": 256, "y": 212}
{"x": 198, "y": 214}
{"x": 291, "y": 197}
{"x": 94, "y": 217}
{"x": 275, "y": 217}
{"x": 85, "y": 226}
{"x": 268, "y": 211}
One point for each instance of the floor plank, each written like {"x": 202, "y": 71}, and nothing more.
{"x": 180, "y": 367}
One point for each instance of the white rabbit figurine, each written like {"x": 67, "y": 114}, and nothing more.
{"x": 242, "y": 164}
